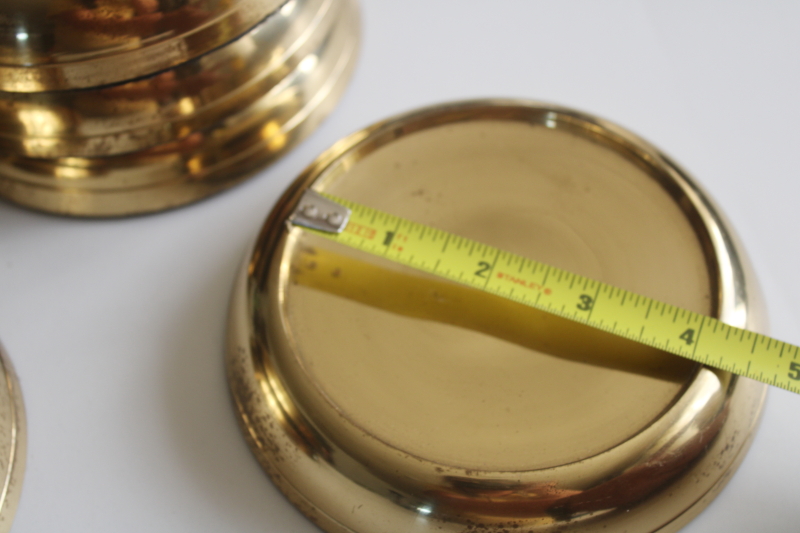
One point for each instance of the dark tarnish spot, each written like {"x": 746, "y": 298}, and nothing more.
{"x": 418, "y": 192}
{"x": 336, "y": 272}
{"x": 311, "y": 265}
{"x": 437, "y": 297}
{"x": 308, "y": 250}
{"x": 500, "y": 527}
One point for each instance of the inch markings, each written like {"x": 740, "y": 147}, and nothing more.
{"x": 617, "y": 311}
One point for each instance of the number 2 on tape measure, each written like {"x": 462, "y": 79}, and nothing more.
{"x": 657, "y": 324}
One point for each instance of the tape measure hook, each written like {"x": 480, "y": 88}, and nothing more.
{"x": 320, "y": 213}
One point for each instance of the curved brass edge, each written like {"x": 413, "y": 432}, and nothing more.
{"x": 208, "y": 162}
{"x": 141, "y": 57}
{"x": 302, "y": 474}
{"x": 728, "y": 445}
{"x": 309, "y": 466}
{"x": 15, "y": 447}
{"x": 171, "y": 105}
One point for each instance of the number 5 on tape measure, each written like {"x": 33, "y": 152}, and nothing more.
{"x": 657, "y": 324}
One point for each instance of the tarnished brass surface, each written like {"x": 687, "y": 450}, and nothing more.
{"x": 171, "y": 105}
{"x": 12, "y": 442}
{"x": 48, "y": 45}
{"x": 214, "y": 138}
{"x": 383, "y": 400}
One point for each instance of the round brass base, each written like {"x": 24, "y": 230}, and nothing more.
{"x": 384, "y": 400}
{"x": 13, "y": 440}
{"x": 215, "y": 139}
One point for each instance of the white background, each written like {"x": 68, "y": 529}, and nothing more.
{"x": 116, "y": 326}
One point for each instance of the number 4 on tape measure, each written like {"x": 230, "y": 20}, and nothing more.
{"x": 657, "y": 324}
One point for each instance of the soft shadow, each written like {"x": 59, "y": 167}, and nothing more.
{"x": 202, "y": 421}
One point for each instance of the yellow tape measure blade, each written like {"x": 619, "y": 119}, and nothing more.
{"x": 547, "y": 288}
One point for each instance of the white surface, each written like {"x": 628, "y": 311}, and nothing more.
{"x": 116, "y": 327}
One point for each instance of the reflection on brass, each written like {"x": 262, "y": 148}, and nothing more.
{"x": 379, "y": 399}
{"x": 168, "y": 106}
{"x": 185, "y": 133}
{"x": 48, "y": 45}
{"x": 12, "y": 442}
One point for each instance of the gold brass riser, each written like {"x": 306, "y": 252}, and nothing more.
{"x": 203, "y": 162}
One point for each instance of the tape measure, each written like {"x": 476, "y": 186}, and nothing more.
{"x": 544, "y": 287}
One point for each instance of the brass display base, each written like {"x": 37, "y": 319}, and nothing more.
{"x": 382, "y": 400}
{"x": 264, "y": 93}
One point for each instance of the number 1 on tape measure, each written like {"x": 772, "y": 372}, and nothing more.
{"x": 657, "y": 324}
